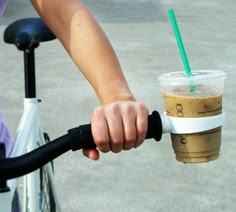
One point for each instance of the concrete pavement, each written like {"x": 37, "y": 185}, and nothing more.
{"x": 147, "y": 179}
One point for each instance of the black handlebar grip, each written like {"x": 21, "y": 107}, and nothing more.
{"x": 81, "y": 137}
{"x": 154, "y": 126}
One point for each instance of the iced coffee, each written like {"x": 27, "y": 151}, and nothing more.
{"x": 198, "y": 96}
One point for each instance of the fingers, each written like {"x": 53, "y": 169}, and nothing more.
{"x": 107, "y": 128}
{"x": 100, "y": 130}
{"x": 142, "y": 126}
{"x": 120, "y": 125}
{"x": 130, "y": 130}
{"x": 115, "y": 126}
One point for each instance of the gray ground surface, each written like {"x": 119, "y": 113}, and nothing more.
{"x": 149, "y": 178}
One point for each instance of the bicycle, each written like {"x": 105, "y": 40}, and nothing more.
{"x": 32, "y": 153}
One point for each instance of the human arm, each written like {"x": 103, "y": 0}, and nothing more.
{"x": 87, "y": 45}
{"x": 93, "y": 54}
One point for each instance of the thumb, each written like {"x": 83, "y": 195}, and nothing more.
{"x": 91, "y": 153}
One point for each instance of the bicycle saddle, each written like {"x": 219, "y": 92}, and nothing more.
{"x": 27, "y": 33}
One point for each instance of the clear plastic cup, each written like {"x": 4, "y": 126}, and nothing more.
{"x": 196, "y": 96}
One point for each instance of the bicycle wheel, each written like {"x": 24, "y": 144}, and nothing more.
{"x": 48, "y": 203}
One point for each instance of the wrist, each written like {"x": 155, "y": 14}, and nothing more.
{"x": 114, "y": 94}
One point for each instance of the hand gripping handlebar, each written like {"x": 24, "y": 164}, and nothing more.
{"x": 76, "y": 138}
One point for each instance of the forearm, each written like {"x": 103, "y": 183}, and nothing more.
{"x": 87, "y": 45}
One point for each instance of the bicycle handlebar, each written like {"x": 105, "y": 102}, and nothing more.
{"x": 76, "y": 138}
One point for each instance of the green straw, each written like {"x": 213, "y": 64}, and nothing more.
{"x": 180, "y": 42}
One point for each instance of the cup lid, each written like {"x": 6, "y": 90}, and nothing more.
{"x": 197, "y": 76}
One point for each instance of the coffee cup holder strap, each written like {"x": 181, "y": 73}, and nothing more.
{"x": 183, "y": 125}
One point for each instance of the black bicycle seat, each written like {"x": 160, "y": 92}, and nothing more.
{"x": 27, "y": 33}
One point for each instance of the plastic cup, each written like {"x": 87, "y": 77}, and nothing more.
{"x": 204, "y": 101}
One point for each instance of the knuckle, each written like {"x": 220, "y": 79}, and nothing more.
{"x": 113, "y": 109}
{"x": 97, "y": 112}
{"x": 100, "y": 142}
{"x": 117, "y": 141}
{"x": 142, "y": 109}
{"x": 129, "y": 109}
{"x": 130, "y": 139}
{"x": 142, "y": 129}
{"x": 102, "y": 145}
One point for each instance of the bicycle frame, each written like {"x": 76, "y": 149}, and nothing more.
{"x": 29, "y": 136}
